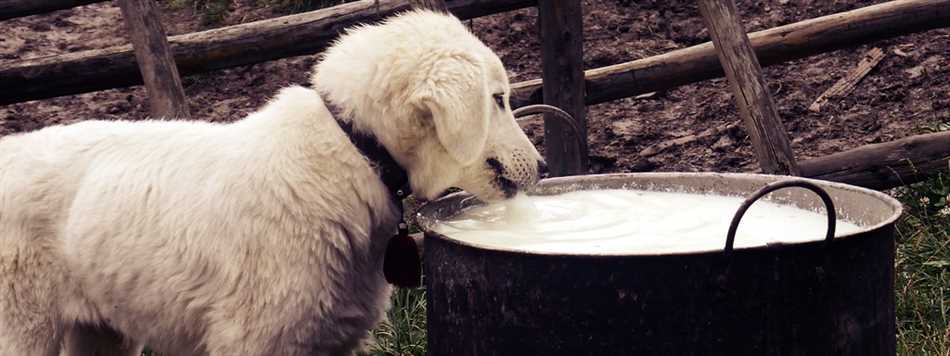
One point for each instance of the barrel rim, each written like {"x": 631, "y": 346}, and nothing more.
{"x": 426, "y": 222}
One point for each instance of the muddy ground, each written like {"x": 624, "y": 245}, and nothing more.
{"x": 907, "y": 93}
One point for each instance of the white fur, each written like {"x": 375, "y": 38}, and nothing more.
{"x": 261, "y": 237}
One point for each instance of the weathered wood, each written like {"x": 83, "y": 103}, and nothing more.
{"x": 113, "y": 67}
{"x": 17, "y": 8}
{"x": 562, "y": 41}
{"x": 847, "y": 83}
{"x": 205, "y": 51}
{"x": 753, "y": 99}
{"x": 885, "y": 165}
{"x": 435, "y": 5}
{"x": 156, "y": 64}
{"x": 772, "y": 46}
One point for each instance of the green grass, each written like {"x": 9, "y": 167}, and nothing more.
{"x": 404, "y": 333}
{"x": 923, "y": 269}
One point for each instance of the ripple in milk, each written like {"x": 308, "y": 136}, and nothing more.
{"x": 618, "y": 221}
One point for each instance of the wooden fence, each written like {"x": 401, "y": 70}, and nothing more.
{"x": 568, "y": 86}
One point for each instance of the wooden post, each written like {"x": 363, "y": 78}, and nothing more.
{"x": 754, "y": 102}
{"x": 563, "y": 72}
{"x": 155, "y": 60}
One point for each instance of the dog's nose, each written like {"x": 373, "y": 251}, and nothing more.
{"x": 543, "y": 169}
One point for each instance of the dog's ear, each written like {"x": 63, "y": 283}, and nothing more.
{"x": 455, "y": 94}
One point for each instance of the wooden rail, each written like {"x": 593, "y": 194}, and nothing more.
{"x": 17, "y": 8}
{"x": 772, "y": 46}
{"x": 885, "y": 165}
{"x": 434, "y": 5}
{"x": 205, "y": 51}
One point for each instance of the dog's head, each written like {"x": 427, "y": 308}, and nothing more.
{"x": 437, "y": 98}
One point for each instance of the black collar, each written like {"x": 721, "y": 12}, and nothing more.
{"x": 390, "y": 172}
{"x": 401, "y": 264}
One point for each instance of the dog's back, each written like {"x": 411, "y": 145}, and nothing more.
{"x": 170, "y": 232}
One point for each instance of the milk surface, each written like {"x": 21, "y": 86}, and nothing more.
{"x": 614, "y": 222}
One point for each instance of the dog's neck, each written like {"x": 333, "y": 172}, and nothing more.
{"x": 401, "y": 263}
{"x": 390, "y": 172}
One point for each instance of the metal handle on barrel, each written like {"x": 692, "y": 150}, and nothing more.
{"x": 825, "y": 198}
{"x": 558, "y": 113}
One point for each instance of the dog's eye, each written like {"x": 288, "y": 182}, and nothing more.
{"x": 500, "y": 100}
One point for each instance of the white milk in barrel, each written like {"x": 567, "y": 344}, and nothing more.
{"x": 632, "y": 222}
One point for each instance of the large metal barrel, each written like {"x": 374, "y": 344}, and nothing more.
{"x": 831, "y": 297}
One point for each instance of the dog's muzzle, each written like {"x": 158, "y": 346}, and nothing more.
{"x": 510, "y": 182}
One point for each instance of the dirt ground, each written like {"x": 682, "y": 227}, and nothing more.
{"x": 908, "y": 91}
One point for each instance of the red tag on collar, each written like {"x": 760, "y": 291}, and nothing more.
{"x": 402, "y": 265}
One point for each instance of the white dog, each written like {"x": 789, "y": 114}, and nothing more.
{"x": 261, "y": 237}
